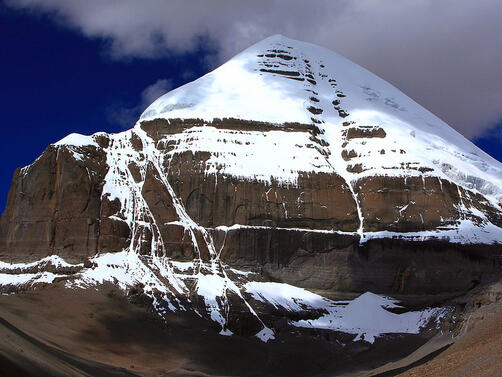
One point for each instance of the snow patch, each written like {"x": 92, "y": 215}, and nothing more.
{"x": 27, "y": 279}
{"x": 282, "y": 295}
{"x": 77, "y": 140}
{"x": 366, "y": 316}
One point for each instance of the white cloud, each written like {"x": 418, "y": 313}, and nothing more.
{"x": 154, "y": 91}
{"x": 127, "y": 116}
{"x": 445, "y": 54}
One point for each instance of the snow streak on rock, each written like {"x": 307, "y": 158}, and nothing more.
{"x": 157, "y": 276}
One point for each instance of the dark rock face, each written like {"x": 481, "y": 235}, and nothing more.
{"x": 285, "y": 232}
{"x": 334, "y": 263}
{"x": 407, "y": 205}
{"x": 54, "y": 207}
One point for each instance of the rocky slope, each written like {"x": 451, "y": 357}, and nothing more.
{"x": 286, "y": 171}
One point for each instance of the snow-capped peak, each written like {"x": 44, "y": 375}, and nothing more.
{"x": 283, "y": 80}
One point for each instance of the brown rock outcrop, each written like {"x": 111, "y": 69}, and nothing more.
{"x": 54, "y": 207}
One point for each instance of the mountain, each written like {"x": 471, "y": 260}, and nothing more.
{"x": 287, "y": 189}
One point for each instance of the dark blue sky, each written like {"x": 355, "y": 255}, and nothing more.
{"x": 55, "y": 81}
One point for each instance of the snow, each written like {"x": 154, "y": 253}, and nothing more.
{"x": 463, "y": 232}
{"x": 366, "y": 316}
{"x": 126, "y": 269}
{"x": 54, "y": 260}
{"x": 265, "y": 335}
{"x": 241, "y": 153}
{"x": 233, "y": 90}
{"x": 162, "y": 278}
{"x": 241, "y": 89}
{"x": 183, "y": 266}
{"x": 283, "y": 295}
{"x": 77, "y": 140}
{"x": 20, "y": 274}
{"x": 17, "y": 279}
{"x": 31, "y": 279}
{"x": 212, "y": 288}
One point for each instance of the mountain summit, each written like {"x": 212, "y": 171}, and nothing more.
{"x": 259, "y": 195}
{"x": 282, "y": 80}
